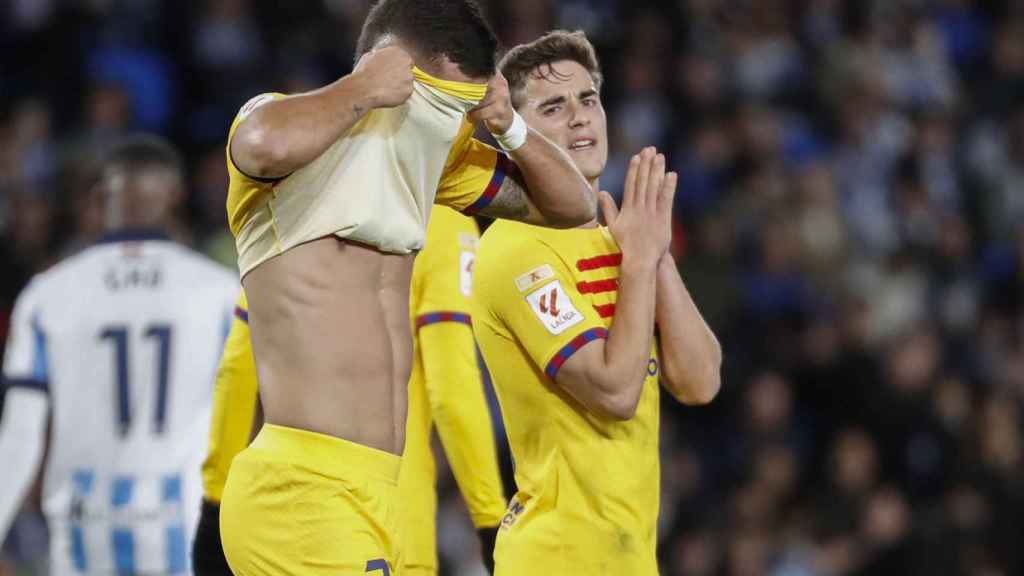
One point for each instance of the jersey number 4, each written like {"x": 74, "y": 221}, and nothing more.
{"x": 160, "y": 334}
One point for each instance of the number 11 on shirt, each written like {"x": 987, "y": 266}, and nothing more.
{"x": 118, "y": 335}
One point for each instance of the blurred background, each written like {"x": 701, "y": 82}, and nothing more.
{"x": 850, "y": 220}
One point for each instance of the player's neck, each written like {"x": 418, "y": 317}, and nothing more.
{"x": 136, "y": 225}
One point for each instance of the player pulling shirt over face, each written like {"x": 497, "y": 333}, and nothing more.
{"x": 326, "y": 252}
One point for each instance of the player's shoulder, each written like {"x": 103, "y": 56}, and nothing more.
{"x": 445, "y": 218}
{"x": 509, "y": 237}
{"x": 508, "y": 249}
{"x": 202, "y": 267}
{"x": 67, "y": 270}
{"x": 258, "y": 100}
{"x": 254, "y": 103}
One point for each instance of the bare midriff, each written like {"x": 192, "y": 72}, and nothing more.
{"x": 330, "y": 334}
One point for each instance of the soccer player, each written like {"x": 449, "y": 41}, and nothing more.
{"x": 118, "y": 344}
{"x": 445, "y": 389}
{"x": 330, "y": 192}
{"x": 566, "y": 320}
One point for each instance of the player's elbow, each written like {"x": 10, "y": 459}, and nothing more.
{"x": 621, "y": 410}
{"x": 697, "y": 387}
{"x": 578, "y": 213}
{"x": 570, "y": 211}
{"x": 706, "y": 390}
{"x": 619, "y": 405}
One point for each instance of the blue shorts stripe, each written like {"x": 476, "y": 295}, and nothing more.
{"x": 78, "y": 559}
{"x": 177, "y": 556}
{"x": 82, "y": 482}
{"x": 124, "y": 551}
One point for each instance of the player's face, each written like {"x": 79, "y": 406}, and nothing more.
{"x": 563, "y": 104}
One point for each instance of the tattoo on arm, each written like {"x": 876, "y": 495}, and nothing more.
{"x": 511, "y": 201}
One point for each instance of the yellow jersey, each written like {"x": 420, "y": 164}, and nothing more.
{"x": 588, "y": 486}
{"x": 446, "y": 390}
{"x": 376, "y": 184}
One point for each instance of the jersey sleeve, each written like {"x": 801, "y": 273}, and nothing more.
{"x": 26, "y": 361}
{"x": 245, "y": 190}
{"x": 458, "y": 406}
{"x": 234, "y": 403}
{"x": 532, "y": 295}
{"x": 472, "y": 177}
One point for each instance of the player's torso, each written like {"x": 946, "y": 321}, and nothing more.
{"x": 588, "y": 486}
{"x": 329, "y": 322}
{"x": 131, "y": 334}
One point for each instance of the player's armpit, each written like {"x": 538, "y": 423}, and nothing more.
{"x": 588, "y": 378}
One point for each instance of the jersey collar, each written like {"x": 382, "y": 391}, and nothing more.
{"x": 132, "y": 235}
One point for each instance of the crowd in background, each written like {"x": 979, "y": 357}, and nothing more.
{"x": 850, "y": 220}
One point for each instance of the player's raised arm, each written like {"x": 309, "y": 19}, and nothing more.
{"x": 279, "y": 136}
{"x": 607, "y": 376}
{"x": 549, "y": 189}
{"x": 691, "y": 357}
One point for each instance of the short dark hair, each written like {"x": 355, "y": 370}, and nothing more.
{"x": 552, "y": 47}
{"x": 453, "y": 28}
{"x": 139, "y": 152}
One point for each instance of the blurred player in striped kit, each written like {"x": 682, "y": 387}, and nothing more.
{"x": 117, "y": 345}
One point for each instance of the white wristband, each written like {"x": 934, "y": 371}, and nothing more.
{"x": 515, "y": 136}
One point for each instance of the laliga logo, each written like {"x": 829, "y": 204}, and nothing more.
{"x": 550, "y": 307}
{"x": 554, "y": 303}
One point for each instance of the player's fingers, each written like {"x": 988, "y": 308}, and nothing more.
{"x": 667, "y": 196}
{"x": 629, "y": 187}
{"x": 643, "y": 175}
{"x": 481, "y": 112}
{"x": 655, "y": 181}
{"x": 608, "y": 207}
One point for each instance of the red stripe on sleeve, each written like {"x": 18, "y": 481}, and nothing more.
{"x": 603, "y": 261}
{"x": 598, "y": 286}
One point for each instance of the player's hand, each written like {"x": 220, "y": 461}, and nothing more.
{"x": 643, "y": 226}
{"x": 495, "y": 110}
{"x": 386, "y": 75}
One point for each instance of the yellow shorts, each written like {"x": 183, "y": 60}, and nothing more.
{"x": 298, "y": 502}
{"x": 418, "y": 571}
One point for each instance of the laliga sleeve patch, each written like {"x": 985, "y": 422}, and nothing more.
{"x": 553, "y": 308}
